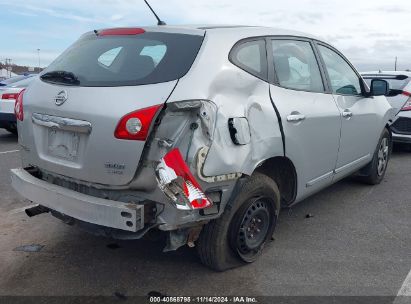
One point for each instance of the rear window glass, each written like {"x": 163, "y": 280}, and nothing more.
{"x": 107, "y": 58}
{"x": 128, "y": 60}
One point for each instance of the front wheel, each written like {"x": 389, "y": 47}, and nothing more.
{"x": 378, "y": 166}
{"x": 248, "y": 222}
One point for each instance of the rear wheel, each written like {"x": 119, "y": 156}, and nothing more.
{"x": 250, "y": 228}
{"x": 248, "y": 222}
{"x": 378, "y": 166}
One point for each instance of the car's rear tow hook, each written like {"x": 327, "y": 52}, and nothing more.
{"x": 36, "y": 210}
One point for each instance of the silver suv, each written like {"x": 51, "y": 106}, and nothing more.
{"x": 201, "y": 132}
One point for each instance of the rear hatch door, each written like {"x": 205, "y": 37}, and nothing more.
{"x": 70, "y": 117}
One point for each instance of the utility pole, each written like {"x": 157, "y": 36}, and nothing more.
{"x": 396, "y": 60}
{"x": 8, "y": 66}
{"x": 38, "y": 54}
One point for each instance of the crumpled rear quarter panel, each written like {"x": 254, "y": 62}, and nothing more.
{"x": 236, "y": 93}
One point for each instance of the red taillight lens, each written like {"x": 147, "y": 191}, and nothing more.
{"x": 178, "y": 183}
{"x": 9, "y": 96}
{"x": 135, "y": 125}
{"x": 407, "y": 106}
{"x": 18, "y": 106}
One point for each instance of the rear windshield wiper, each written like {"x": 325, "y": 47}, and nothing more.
{"x": 61, "y": 77}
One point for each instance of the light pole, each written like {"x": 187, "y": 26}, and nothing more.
{"x": 38, "y": 54}
{"x": 8, "y": 66}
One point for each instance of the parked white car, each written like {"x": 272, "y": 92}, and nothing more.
{"x": 8, "y": 96}
{"x": 203, "y": 133}
{"x": 399, "y": 98}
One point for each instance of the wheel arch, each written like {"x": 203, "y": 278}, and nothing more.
{"x": 282, "y": 170}
{"x": 388, "y": 127}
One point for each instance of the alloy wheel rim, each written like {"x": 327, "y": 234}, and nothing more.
{"x": 383, "y": 153}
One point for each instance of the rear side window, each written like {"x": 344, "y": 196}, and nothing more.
{"x": 251, "y": 57}
{"x": 126, "y": 60}
{"x": 296, "y": 66}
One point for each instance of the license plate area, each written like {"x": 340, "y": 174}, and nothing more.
{"x": 63, "y": 144}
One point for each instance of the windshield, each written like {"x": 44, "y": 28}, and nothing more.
{"x": 147, "y": 58}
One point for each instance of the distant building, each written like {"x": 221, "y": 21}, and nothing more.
{"x": 6, "y": 74}
{"x": 17, "y": 70}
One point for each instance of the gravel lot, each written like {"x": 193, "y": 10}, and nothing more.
{"x": 358, "y": 242}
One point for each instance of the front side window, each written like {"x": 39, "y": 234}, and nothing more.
{"x": 344, "y": 80}
{"x": 296, "y": 66}
{"x": 250, "y": 56}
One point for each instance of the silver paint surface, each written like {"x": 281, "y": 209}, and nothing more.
{"x": 323, "y": 147}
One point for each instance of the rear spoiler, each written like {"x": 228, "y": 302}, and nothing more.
{"x": 392, "y": 92}
{"x": 384, "y": 76}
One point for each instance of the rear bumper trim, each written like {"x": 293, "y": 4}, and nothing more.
{"x": 7, "y": 117}
{"x": 114, "y": 214}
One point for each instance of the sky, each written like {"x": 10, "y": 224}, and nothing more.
{"x": 371, "y": 33}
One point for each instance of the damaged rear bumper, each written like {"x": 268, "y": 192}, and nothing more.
{"x": 90, "y": 209}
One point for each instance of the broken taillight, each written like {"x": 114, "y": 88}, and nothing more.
{"x": 18, "y": 106}
{"x": 407, "y": 106}
{"x": 178, "y": 183}
{"x": 135, "y": 125}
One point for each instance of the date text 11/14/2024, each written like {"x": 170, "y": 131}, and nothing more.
{"x": 202, "y": 299}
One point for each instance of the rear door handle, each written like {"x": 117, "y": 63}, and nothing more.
{"x": 347, "y": 114}
{"x": 295, "y": 117}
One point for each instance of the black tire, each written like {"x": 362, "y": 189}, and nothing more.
{"x": 248, "y": 222}
{"x": 12, "y": 129}
{"x": 374, "y": 173}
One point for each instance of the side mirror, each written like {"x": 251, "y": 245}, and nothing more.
{"x": 379, "y": 87}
